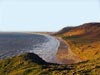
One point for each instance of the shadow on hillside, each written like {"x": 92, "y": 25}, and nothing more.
{"x": 36, "y": 59}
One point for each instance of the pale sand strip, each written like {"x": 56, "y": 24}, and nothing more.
{"x": 65, "y": 54}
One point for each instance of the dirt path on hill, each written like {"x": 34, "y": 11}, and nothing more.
{"x": 65, "y": 54}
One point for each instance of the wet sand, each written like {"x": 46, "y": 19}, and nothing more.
{"x": 65, "y": 54}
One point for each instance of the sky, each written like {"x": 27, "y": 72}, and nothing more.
{"x": 46, "y": 15}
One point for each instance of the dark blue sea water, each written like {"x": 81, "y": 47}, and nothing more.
{"x": 12, "y": 44}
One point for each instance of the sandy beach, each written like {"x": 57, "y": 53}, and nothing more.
{"x": 65, "y": 54}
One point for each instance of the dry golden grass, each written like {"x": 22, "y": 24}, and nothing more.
{"x": 83, "y": 40}
{"x": 85, "y": 48}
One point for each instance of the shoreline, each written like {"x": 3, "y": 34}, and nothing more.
{"x": 56, "y": 50}
{"x": 50, "y": 50}
{"x": 46, "y": 49}
{"x": 65, "y": 54}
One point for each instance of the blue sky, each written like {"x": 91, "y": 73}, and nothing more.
{"x": 46, "y": 15}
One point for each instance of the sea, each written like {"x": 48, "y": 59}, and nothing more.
{"x": 45, "y": 46}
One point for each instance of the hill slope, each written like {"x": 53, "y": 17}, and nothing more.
{"x": 29, "y": 64}
{"x": 85, "y": 30}
{"x": 84, "y": 40}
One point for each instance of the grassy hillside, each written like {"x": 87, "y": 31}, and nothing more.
{"x": 31, "y": 64}
{"x": 84, "y": 40}
{"x": 88, "y": 30}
